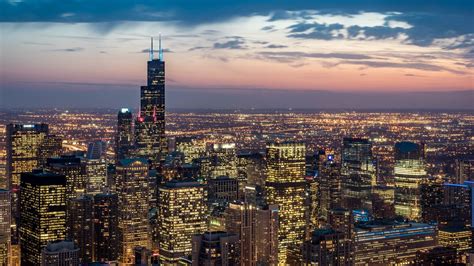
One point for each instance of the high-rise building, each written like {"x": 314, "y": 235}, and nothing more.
{"x": 60, "y": 253}
{"x": 357, "y": 158}
{"x": 182, "y": 212}
{"x": 285, "y": 186}
{"x": 436, "y": 256}
{"x": 96, "y": 149}
{"x": 215, "y": 248}
{"x": 330, "y": 188}
{"x": 326, "y": 247}
{"x": 51, "y": 147}
{"x": 124, "y": 135}
{"x": 223, "y": 160}
{"x": 81, "y": 226}
{"x": 75, "y": 171}
{"x": 5, "y": 230}
{"x": 457, "y": 237}
{"x": 223, "y": 190}
{"x": 386, "y": 242}
{"x": 150, "y": 138}
{"x": 42, "y": 213}
{"x": 257, "y": 231}
{"x": 106, "y": 227}
{"x": 464, "y": 170}
{"x": 192, "y": 148}
{"x": 133, "y": 193}
{"x": 409, "y": 173}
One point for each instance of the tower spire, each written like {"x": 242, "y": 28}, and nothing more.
{"x": 160, "y": 53}
{"x": 151, "y": 50}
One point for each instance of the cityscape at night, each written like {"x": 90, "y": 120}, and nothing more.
{"x": 238, "y": 133}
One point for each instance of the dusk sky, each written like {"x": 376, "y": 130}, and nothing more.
{"x": 244, "y": 54}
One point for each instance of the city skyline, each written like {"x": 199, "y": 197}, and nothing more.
{"x": 381, "y": 54}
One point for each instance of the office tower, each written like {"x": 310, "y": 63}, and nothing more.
{"x": 457, "y": 237}
{"x": 142, "y": 256}
{"x": 357, "y": 192}
{"x": 251, "y": 168}
{"x": 312, "y": 201}
{"x": 342, "y": 221}
{"x": 5, "y": 230}
{"x": 357, "y": 158}
{"x": 192, "y": 148}
{"x": 96, "y": 167}
{"x": 215, "y": 248}
{"x": 285, "y": 186}
{"x": 431, "y": 196}
{"x": 150, "y": 138}
{"x": 23, "y": 150}
{"x": 223, "y": 160}
{"x": 381, "y": 242}
{"x": 75, "y": 171}
{"x": 464, "y": 170}
{"x": 96, "y": 149}
{"x": 124, "y": 135}
{"x": 326, "y": 247}
{"x": 257, "y": 230}
{"x": 457, "y": 198}
{"x": 223, "y": 190}
{"x": 409, "y": 174}
{"x": 382, "y": 202}
{"x": 133, "y": 192}
{"x": 60, "y": 253}
{"x": 106, "y": 227}
{"x": 330, "y": 188}
{"x": 436, "y": 256}
{"x": 81, "y": 226}
{"x": 51, "y": 147}
{"x": 182, "y": 213}
{"x": 42, "y": 213}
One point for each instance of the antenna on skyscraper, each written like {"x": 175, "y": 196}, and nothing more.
{"x": 151, "y": 50}
{"x": 160, "y": 53}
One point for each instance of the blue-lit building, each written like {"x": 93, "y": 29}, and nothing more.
{"x": 391, "y": 242}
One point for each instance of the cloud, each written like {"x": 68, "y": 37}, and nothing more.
{"x": 377, "y": 32}
{"x": 147, "y": 51}
{"x": 418, "y": 66}
{"x": 197, "y": 48}
{"x": 272, "y": 46}
{"x": 315, "y": 31}
{"x": 236, "y": 43}
{"x": 75, "y": 49}
{"x": 290, "y": 56}
{"x": 268, "y": 28}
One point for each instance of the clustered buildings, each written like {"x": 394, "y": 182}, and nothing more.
{"x": 198, "y": 201}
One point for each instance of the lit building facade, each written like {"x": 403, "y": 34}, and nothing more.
{"x": 60, "y": 253}
{"x": 124, "y": 136}
{"x": 182, "y": 211}
{"x": 5, "y": 230}
{"x": 42, "y": 213}
{"x": 381, "y": 243}
{"x": 457, "y": 237}
{"x": 133, "y": 194}
{"x": 409, "y": 174}
{"x": 215, "y": 248}
{"x": 223, "y": 159}
{"x": 326, "y": 247}
{"x": 81, "y": 226}
{"x": 106, "y": 227}
{"x": 357, "y": 158}
{"x": 285, "y": 186}
{"x": 74, "y": 169}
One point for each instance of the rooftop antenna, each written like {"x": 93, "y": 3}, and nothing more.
{"x": 151, "y": 50}
{"x": 160, "y": 53}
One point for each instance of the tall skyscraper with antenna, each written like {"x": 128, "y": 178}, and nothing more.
{"x": 150, "y": 139}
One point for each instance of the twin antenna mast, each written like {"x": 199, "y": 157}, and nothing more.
{"x": 160, "y": 51}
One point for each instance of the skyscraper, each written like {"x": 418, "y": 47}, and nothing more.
{"x": 60, "y": 252}
{"x": 5, "y": 230}
{"x": 357, "y": 158}
{"x": 326, "y": 247}
{"x": 96, "y": 167}
{"x": 42, "y": 213}
{"x": 106, "y": 227}
{"x": 133, "y": 194}
{"x": 409, "y": 174}
{"x": 81, "y": 227}
{"x": 150, "y": 138}
{"x": 182, "y": 213}
{"x": 215, "y": 248}
{"x": 75, "y": 171}
{"x": 285, "y": 186}
{"x": 124, "y": 135}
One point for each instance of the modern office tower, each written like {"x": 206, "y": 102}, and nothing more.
{"x": 42, "y": 213}
{"x": 457, "y": 237}
{"x": 23, "y": 146}
{"x": 222, "y": 190}
{"x": 330, "y": 188}
{"x": 285, "y": 186}
{"x": 464, "y": 170}
{"x": 192, "y": 148}
{"x": 223, "y": 160}
{"x": 124, "y": 135}
{"x": 382, "y": 202}
{"x": 150, "y": 138}
{"x": 251, "y": 168}
{"x": 458, "y": 198}
{"x": 215, "y": 248}
{"x": 96, "y": 149}
{"x": 436, "y": 256}
{"x": 80, "y": 225}
{"x": 5, "y": 230}
{"x": 409, "y": 174}
{"x": 385, "y": 242}
{"x": 133, "y": 192}
{"x": 96, "y": 167}
{"x": 142, "y": 256}
{"x": 357, "y": 192}
{"x": 60, "y": 252}
{"x": 326, "y": 247}
{"x": 75, "y": 171}
{"x": 51, "y": 147}
{"x": 341, "y": 220}
{"x": 312, "y": 201}
{"x": 357, "y": 158}
{"x": 106, "y": 227}
{"x": 431, "y": 195}
{"x": 257, "y": 230}
{"x": 182, "y": 213}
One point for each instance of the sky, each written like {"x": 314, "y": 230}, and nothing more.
{"x": 240, "y": 54}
